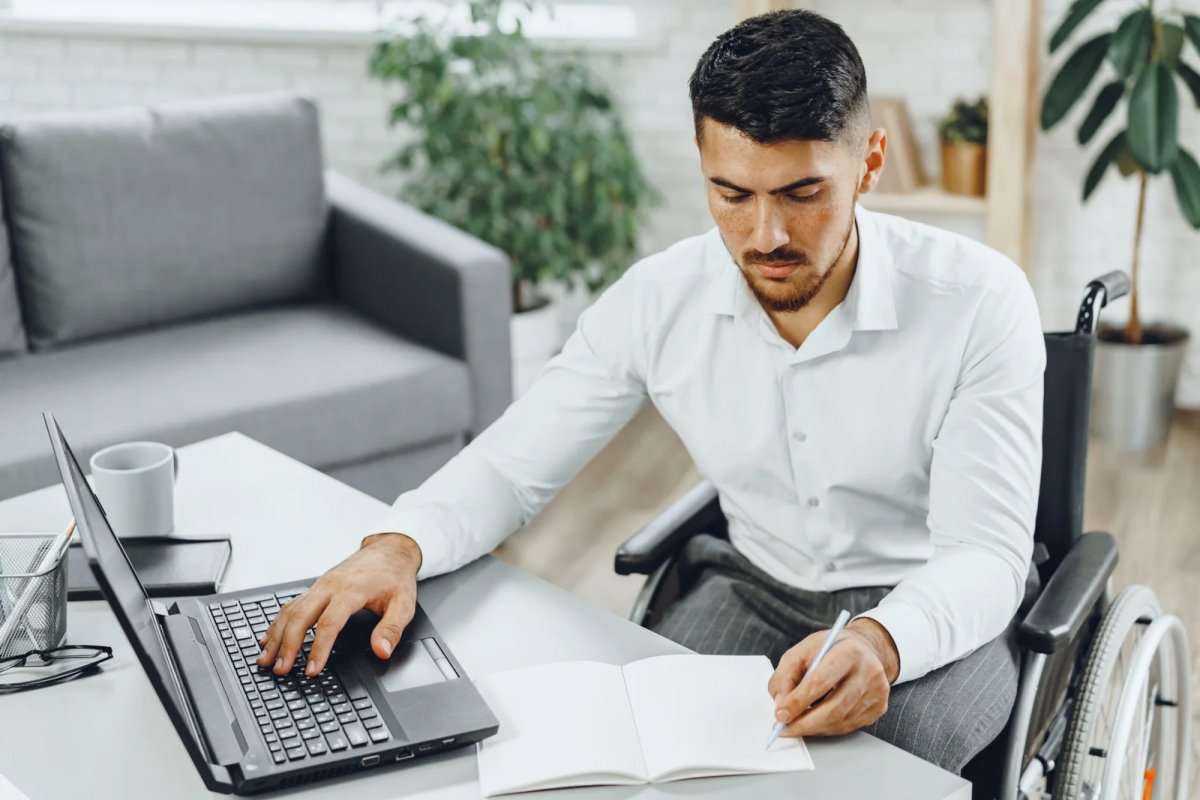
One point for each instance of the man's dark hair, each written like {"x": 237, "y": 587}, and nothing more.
{"x": 783, "y": 75}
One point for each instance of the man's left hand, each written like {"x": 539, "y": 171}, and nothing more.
{"x": 848, "y": 690}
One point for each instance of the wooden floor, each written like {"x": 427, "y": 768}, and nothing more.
{"x": 1150, "y": 502}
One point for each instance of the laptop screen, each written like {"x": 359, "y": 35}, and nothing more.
{"x": 120, "y": 584}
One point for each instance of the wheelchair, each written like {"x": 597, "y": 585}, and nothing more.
{"x": 1103, "y": 708}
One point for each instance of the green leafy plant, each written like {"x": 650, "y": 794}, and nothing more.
{"x": 1145, "y": 55}
{"x": 521, "y": 147}
{"x": 966, "y": 122}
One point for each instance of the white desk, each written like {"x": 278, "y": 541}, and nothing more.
{"x": 106, "y": 736}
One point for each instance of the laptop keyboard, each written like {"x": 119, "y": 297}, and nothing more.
{"x": 299, "y": 717}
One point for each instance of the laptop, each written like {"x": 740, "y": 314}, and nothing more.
{"x": 248, "y": 730}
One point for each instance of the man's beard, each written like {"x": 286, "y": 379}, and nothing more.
{"x": 790, "y": 294}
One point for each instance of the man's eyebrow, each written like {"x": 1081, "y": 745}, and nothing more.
{"x": 800, "y": 184}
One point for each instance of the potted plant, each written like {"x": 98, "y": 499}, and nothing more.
{"x": 963, "y": 134}
{"x": 521, "y": 147}
{"x": 1137, "y": 366}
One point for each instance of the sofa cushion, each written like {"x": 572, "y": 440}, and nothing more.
{"x": 316, "y": 383}
{"x": 12, "y": 333}
{"x": 134, "y": 217}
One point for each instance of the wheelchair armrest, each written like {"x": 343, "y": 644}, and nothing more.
{"x": 695, "y": 512}
{"x": 1070, "y": 594}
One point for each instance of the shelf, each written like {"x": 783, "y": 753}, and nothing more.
{"x": 926, "y": 200}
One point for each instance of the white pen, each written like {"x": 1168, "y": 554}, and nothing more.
{"x": 834, "y": 632}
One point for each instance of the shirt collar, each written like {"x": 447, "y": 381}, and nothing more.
{"x": 727, "y": 281}
{"x": 870, "y": 299}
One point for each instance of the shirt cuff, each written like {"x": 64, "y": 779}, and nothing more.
{"x": 909, "y": 629}
{"x": 422, "y": 526}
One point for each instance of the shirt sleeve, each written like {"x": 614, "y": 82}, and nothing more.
{"x": 494, "y": 485}
{"x": 984, "y": 482}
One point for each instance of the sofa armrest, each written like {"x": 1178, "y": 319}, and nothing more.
{"x": 696, "y": 512}
{"x": 427, "y": 281}
{"x": 1070, "y": 594}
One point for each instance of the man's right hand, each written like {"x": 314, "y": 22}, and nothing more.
{"x": 381, "y": 577}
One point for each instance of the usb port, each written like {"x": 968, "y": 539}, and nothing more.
{"x": 404, "y": 754}
{"x": 424, "y": 748}
{"x": 370, "y": 761}
{"x": 448, "y": 741}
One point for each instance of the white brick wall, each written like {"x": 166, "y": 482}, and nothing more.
{"x": 48, "y": 73}
{"x": 925, "y": 50}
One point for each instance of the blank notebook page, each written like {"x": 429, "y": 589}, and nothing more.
{"x": 564, "y": 724}
{"x": 704, "y": 715}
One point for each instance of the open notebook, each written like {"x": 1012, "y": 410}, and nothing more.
{"x": 582, "y": 723}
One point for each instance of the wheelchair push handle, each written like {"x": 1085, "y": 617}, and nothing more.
{"x": 1115, "y": 285}
{"x": 1100, "y": 292}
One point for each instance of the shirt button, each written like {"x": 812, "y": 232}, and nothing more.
{"x": 813, "y": 502}
{"x": 799, "y": 436}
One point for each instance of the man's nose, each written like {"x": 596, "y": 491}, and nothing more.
{"x": 770, "y": 233}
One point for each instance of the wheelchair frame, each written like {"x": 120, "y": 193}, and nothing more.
{"x": 1056, "y": 634}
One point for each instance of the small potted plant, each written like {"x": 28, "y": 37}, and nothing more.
{"x": 520, "y": 147}
{"x": 1145, "y": 65}
{"x": 963, "y": 134}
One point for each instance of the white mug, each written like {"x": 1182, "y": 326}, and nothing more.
{"x": 136, "y": 485}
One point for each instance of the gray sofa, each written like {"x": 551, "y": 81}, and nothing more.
{"x": 176, "y": 272}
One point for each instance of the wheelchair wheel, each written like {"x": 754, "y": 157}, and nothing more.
{"x": 1129, "y": 736}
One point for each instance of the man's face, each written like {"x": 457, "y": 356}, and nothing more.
{"x": 785, "y": 210}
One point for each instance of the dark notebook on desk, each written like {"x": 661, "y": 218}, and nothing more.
{"x": 168, "y": 566}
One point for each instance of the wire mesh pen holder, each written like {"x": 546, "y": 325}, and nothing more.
{"x": 42, "y": 594}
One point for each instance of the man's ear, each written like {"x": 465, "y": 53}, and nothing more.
{"x": 874, "y": 155}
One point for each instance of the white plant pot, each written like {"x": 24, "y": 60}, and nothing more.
{"x": 535, "y": 340}
{"x": 571, "y": 300}
{"x": 1134, "y": 385}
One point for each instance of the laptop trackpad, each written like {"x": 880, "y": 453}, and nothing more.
{"x": 413, "y": 664}
{"x": 410, "y": 666}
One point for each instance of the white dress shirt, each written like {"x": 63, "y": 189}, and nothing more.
{"x": 899, "y": 445}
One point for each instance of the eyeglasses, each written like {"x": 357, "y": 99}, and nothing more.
{"x": 39, "y": 668}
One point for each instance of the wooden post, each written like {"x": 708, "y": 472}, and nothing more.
{"x": 1012, "y": 125}
{"x": 752, "y": 8}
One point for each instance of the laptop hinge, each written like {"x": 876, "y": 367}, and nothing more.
{"x": 224, "y": 741}
{"x": 177, "y": 680}
{"x": 216, "y": 777}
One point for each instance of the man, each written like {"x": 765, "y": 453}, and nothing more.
{"x": 864, "y": 392}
